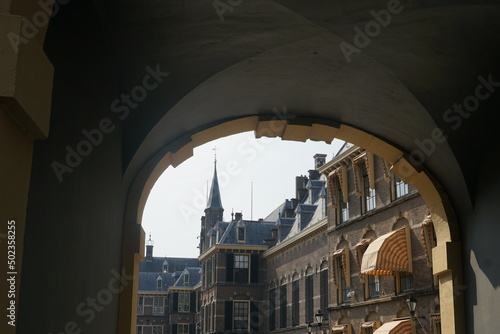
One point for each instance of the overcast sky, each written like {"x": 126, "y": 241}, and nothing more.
{"x": 179, "y": 197}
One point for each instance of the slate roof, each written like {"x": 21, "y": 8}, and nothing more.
{"x": 147, "y": 281}
{"x": 344, "y": 148}
{"x": 155, "y": 264}
{"x": 214, "y": 199}
{"x": 194, "y": 277}
{"x": 310, "y": 211}
{"x": 256, "y": 232}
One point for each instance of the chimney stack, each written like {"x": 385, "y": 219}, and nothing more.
{"x": 238, "y": 216}
{"x": 319, "y": 160}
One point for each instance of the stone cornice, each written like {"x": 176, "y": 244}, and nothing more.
{"x": 304, "y": 235}
{"x": 213, "y": 249}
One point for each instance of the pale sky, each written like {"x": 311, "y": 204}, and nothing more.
{"x": 178, "y": 199}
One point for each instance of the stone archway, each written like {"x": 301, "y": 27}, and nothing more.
{"x": 447, "y": 262}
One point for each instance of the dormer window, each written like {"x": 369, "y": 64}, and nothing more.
{"x": 241, "y": 234}
{"x": 186, "y": 278}
{"x": 165, "y": 268}
{"x": 159, "y": 283}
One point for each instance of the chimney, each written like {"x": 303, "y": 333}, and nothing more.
{"x": 300, "y": 187}
{"x": 314, "y": 174}
{"x": 238, "y": 216}
{"x": 319, "y": 160}
{"x": 149, "y": 249}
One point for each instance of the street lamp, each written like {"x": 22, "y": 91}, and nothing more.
{"x": 319, "y": 318}
{"x": 309, "y": 327}
{"x": 412, "y": 305}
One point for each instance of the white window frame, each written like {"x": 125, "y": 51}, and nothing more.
{"x": 401, "y": 188}
{"x": 139, "y": 329}
{"x": 247, "y": 315}
{"x": 158, "y": 309}
{"x": 369, "y": 284}
{"x": 183, "y": 307}
{"x": 140, "y": 306}
{"x": 183, "y": 328}
{"x": 247, "y": 256}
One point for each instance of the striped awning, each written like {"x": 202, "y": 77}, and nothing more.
{"x": 387, "y": 255}
{"x": 395, "y": 327}
{"x": 339, "y": 328}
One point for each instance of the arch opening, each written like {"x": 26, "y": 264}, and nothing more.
{"x": 447, "y": 268}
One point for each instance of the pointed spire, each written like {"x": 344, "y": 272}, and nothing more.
{"x": 214, "y": 199}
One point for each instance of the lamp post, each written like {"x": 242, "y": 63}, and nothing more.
{"x": 412, "y": 305}
{"x": 319, "y": 320}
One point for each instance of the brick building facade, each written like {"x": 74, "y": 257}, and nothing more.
{"x": 353, "y": 245}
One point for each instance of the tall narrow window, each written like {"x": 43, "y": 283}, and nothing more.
{"x": 140, "y": 305}
{"x": 158, "y": 305}
{"x": 401, "y": 187}
{"x": 406, "y": 281}
{"x": 241, "y": 234}
{"x": 272, "y": 311}
{"x": 241, "y": 272}
{"x": 240, "y": 316}
{"x": 343, "y": 207}
{"x": 323, "y": 287}
{"x": 368, "y": 193}
{"x": 295, "y": 302}
{"x": 209, "y": 272}
{"x": 344, "y": 287}
{"x": 159, "y": 282}
{"x": 373, "y": 286}
{"x": 139, "y": 329}
{"x": 309, "y": 298}
{"x": 183, "y": 305}
{"x": 186, "y": 278}
{"x": 283, "y": 304}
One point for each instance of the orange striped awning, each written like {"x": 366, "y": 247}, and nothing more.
{"x": 395, "y": 327}
{"x": 386, "y": 255}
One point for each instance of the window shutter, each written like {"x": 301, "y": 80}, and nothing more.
{"x": 191, "y": 328}
{"x": 228, "y": 321}
{"x": 192, "y": 302}
{"x": 254, "y": 264}
{"x": 229, "y": 267}
{"x": 174, "y": 328}
{"x": 175, "y": 307}
{"x": 254, "y": 317}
